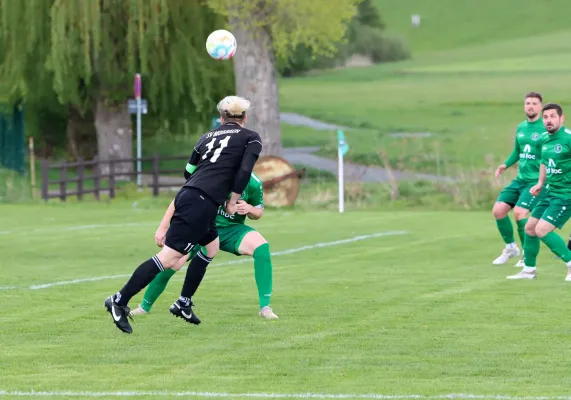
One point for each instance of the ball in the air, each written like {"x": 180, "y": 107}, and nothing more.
{"x": 221, "y": 45}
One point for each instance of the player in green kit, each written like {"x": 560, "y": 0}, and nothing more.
{"x": 235, "y": 237}
{"x": 554, "y": 209}
{"x": 516, "y": 195}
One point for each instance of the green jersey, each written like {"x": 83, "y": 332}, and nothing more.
{"x": 527, "y": 150}
{"x": 253, "y": 194}
{"x": 556, "y": 155}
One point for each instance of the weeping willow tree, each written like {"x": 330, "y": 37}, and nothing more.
{"x": 268, "y": 30}
{"x": 87, "y": 52}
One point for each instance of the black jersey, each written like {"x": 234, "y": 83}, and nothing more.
{"x": 218, "y": 157}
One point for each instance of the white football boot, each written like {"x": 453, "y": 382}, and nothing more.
{"x": 525, "y": 273}
{"x": 139, "y": 311}
{"x": 267, "y": 313}
{"x": 507, "y": 253}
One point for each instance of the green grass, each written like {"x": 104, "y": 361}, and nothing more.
{"x": 448, "y": 24}
{"x": 421, "y": 313}
{"x": 469, "y": 99}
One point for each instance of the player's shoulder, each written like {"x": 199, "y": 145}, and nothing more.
{"x": 567, "y": 131}
{"x": 250, "y": 134}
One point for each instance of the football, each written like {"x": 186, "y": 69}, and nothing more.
{"x": 221, "y": 45}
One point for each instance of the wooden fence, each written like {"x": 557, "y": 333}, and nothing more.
{"x": 73, "y": 177}
{"x": 90, "y": 172}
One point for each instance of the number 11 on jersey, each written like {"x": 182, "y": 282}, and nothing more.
{"x": 210, "y": 145}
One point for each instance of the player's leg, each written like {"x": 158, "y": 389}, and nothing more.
{"x": 556, "y": 216}
{"x": 252, "y": 243}
{"x": 521, "y": 217}
{"x": 506, "y": 201}
{"x": 530, "y": 251}
{"x": 523, "y": 207}
{"x": 117, "y": 304}
{"x": 189, "y": 223}
{"x": 531, "y": 242}
{"x": 569, "y": 243}
{"x": 195, "y": 273}
{"x": 159, "y": 284}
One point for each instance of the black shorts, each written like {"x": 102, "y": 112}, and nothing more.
{"x": 193, "y": 221}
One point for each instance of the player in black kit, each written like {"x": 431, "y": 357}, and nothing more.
{"x": 217, "y": 172}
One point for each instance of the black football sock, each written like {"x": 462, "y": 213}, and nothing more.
{"x": 142, "y": 276}
{"x": 194, "y": 275}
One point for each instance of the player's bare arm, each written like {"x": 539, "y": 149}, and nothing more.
{"x": 161, "y": 232}
{"x": 535, "y": 190}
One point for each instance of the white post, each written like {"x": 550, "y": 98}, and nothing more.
{"x": 137, "y": 89}
{"x": 341, "y": 190}
{"x": 139, "y": 146}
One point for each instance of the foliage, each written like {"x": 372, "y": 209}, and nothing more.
{"x": 84, "y": 50}
{"x": 364, "y": 37}
{"x": 319, "y": 24}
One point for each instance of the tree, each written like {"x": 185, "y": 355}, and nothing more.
{"x": 268, "y": 30}
{"x": 87, "y": 52}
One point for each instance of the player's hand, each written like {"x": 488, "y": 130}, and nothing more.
{"x": 500, "y": 169}
{"x": 231, "y": 208}
{"x": 160, "y": 236}
{"x": 535, "y": 190}
{"x": 243, "y": 207}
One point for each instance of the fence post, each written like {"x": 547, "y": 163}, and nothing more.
{"x": 156, "y": 175}
{"x": 44, "y": 179}
{"x": 111, "y": 179}
{"x": 63, "y": 181}
{"x": 96, "y": 178}
{"x": 80, "y": 178}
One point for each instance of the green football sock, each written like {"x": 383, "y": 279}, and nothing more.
{"x": 156, "y": 288}
{"x": 521, "y": 230}
{"x": 557, "y": 245}
{"x": 530, "y": 250}
{"x": 506, "y": 229}
{"x": 263, "y": 273}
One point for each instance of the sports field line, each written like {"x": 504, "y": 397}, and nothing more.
{"x": 76, "y": 228}
{"x": 243, "y": 260}
{"x": 462, "y": 396}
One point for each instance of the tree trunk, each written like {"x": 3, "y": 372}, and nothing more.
{"x": 72, "y": 147}
{"x": 80, "y": 133}
{"x": 257, "y": 81}
{"x": 114, "y": 136}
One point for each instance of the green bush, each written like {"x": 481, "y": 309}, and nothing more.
{"x": 364, "y": 36}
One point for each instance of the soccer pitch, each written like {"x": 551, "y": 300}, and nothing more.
{"x": 370, "y": 303}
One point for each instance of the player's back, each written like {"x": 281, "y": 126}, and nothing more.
{"x": 219, "y": 155}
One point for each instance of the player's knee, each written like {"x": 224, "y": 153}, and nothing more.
{"x": 499, "y": 211}
{"x": 180, "y": 263}
{"x": 211, "y": 249}
{"x": 530, "y": 228}
{"x": 211, "y": 252}
{"x": 169, "y": 258}
{"x": 520, "y": 213}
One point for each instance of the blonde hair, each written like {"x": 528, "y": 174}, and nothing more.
{"x": 233, "y": 107}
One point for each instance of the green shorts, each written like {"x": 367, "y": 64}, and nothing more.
{"x": 230, "y": 238}
{"x": 554, "y": 209}
{"x": 517, "y": 194}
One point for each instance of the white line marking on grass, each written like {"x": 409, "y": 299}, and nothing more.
{"x": 244, "y": 260}
{"x": 77, "y": 228}
{"x": 462, "y": 396}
